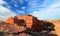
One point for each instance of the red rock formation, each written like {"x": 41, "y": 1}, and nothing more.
{"x": 24, "y": 34}
{"x": 33, "y": 23}
{"x": 28, "y": 20}
{"x": 10, "y": 20}
{"x": 19, "y": 20}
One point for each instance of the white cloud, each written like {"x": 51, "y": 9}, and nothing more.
{"x": 51, "y": 11}
{"x": 5, "y": 12}
{"x": 21, "y": 1}
{"x": 23, "y": 8}
{"x": 20, "y": 12}
{"x": 1, "y": 2}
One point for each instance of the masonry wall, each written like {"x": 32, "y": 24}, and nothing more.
{"x": 10, "y": 20}
{"x": 28, "y": 20}
{"x": 19, "y": 20}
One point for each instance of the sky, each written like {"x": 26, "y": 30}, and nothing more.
{"x": 42, "y": 9}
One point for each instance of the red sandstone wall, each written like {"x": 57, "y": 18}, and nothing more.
{"x": 18, "y": 17}
{"x": 10, "y": 21}
{"x": 28, "y": 20}
{"x": 38, "y": 25}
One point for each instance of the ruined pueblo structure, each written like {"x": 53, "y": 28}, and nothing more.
{"x": 26, "y": 20}
{"x": 32, "y": 22}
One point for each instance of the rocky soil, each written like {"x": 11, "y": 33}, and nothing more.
{"x": 15, "y": 30}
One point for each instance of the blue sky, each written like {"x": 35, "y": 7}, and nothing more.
{"x": 42, "y": 9}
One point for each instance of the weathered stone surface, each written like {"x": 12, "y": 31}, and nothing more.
{"x": 17, "y": 29}
{"x": 12, "y": 28}
{"x": 10, "y": 20}
{"x": 19, "y": 20}
{"x": 27, "y": 26}
{"x": 24, "y": 34}
{"x": 27, "y": 20}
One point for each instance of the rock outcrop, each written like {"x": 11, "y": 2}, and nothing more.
{"x": 27, "y": 20}
{"x": 27, "y": 25}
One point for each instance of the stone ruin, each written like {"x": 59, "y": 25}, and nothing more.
{"x": 33, "y": 23}
{"x": 27, "y": 20}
